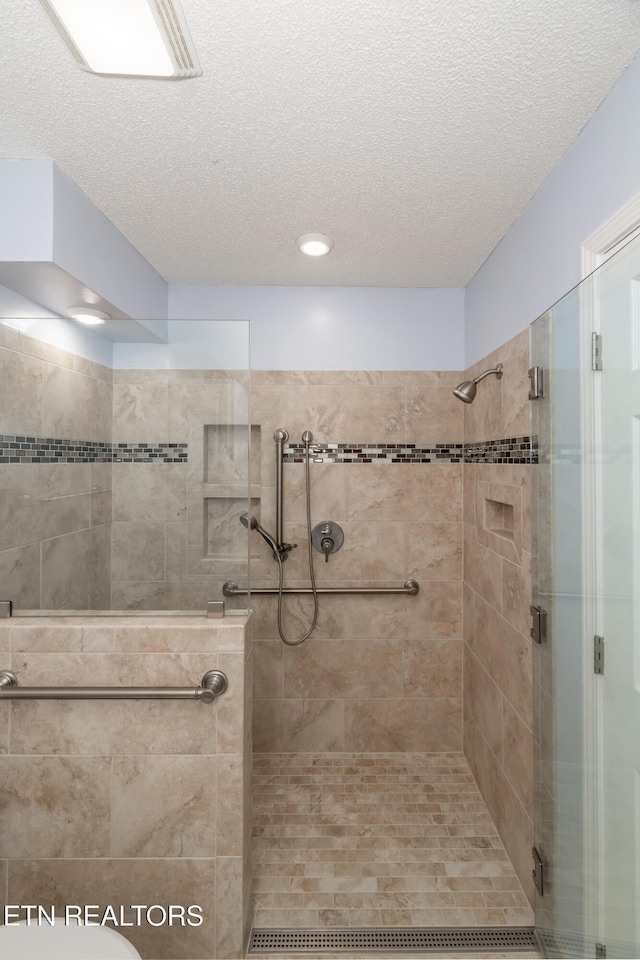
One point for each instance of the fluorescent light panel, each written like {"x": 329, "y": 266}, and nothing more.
{"x": 134, "y": 38}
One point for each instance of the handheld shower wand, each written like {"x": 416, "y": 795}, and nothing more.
{"x": 250, "y": 522}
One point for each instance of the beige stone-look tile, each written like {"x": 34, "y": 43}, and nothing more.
{"x": 335, "y": 413}
{"x": 92, "y": 369}
{"x": 163, "y": 807}
{"x": 54, "y": 806}
{"x": 140, "y": 412}
{"x": 101, "y": 474}
{"x": 499, "y": 518}
{"x": 404, "y": 492}
{"x": 164, "y": 595}
{"x": 149, "y": 491}
{"x": 469, "y": 476}
{"x": 20, "y": 394}
{"x": 401, "y": 725}
{"x": 121, "y": 883}
{"x": 9, "y": 339}
{"x": 46, "y": 351}
{"x": 298, "y": 725}
{"x": 433, "y": 551}
{"x": 432, "y": 668}
{"x": 167, "y": 635}
{"x": 433, "y": 414}
{"x": 518, "y": 753}
{"x": 268, "y": 669}
{"x": 515, "y": 395}
{"x": 483, "y": 417}
{"x": 75, "y": 566}
{"x": 328, "y": 495}
{"x": 482, "y": 569}
{"x": 468, "y": 604}
{"x": 507, "y": 657}
{"x": 137, "y": 551}
{"x": 29, "y": 515}
{"x": 74, "y": 406}
{"x": 517, "y": 593}
{"x": 50, "y": 636}
{"x": 484, "y": 701}
{"x": 20, "y": 576}
{"x": 435, "y": 612}
{"x": 231, "y": 915}
{"x": 231, "y": 707}
{"x": 343, "y": 669}
{"x": 101, "y": 507}
{"x": 229, "y": 825}
{"x": 516, "y": 828}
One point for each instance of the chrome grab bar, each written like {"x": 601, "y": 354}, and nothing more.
{"x": 231, "y": 589}
{"x": 213, "y": 684}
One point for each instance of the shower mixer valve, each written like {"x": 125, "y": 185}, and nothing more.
{"x": 327, "y": 537}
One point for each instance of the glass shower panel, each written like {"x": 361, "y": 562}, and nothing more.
{"x": 616, "y": 297}
{"x": 557, "y": 589}
{"x": 124, "y": 465}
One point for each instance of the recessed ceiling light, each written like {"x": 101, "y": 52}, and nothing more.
{"x": 91, "y": 318}
{"x": 131, "y": 38}
{"x": 315, "y": 244}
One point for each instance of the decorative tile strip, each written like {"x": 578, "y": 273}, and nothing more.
{"x": 150, "y": 453}
{"x": 507, "y": 450}
{"x": 30, "y": 449}
{"x": 376, "y": 452}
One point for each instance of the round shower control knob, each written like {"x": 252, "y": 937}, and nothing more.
{"x": 327, "y": 537}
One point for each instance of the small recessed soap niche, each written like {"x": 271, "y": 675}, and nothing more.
{"x": 499, "y": 518}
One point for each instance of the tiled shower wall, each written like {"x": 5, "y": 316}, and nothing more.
{"x": 161, "y": 453}
{"x": 380, "y": 673}
{"x": 498, "y": 685}
{"x": 176, "y": 532}
{"x": 55, "y": 517}
{"x": 117, "y": 803}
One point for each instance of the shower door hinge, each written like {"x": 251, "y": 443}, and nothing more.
{"x": 601, "y": 950}
{"x": 598, "y": 654}
{"x": 6, "y": 608}
{"x": 537, "y": 381}
{"x": 596, "y": 351}
{"x": 539, "y": 625}
{"x": 538, "y": 871}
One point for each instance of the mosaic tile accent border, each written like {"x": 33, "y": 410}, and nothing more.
{"x": 506, "y": 450}
{"x": 27, "y": 449}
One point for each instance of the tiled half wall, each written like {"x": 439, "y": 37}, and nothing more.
{"x": 118, "y": 803}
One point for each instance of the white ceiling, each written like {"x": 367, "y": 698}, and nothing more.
{"x": 413, "y": 132}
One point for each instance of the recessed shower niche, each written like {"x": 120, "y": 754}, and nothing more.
{"x": 216, "y": 535}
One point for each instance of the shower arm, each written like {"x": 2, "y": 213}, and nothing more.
{"x": 496, "y": 370}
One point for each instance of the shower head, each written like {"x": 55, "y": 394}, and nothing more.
{"x": 250, "y": 522}
{"x": 466, "y": 391}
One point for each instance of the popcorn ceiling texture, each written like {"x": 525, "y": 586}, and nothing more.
{"x": 413, "y": 133}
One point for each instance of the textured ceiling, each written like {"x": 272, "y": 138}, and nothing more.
{"x": 413, "y": 132}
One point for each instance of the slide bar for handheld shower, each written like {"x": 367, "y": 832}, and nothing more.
{"x": 280, "y": 436}
{"x": 231, "y": 589}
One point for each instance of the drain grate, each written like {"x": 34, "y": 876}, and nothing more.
{"x": 381, "y": 939}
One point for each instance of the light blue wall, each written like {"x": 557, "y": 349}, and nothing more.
{"x": 538, "y": 259}
{"x": 337, "y": 328}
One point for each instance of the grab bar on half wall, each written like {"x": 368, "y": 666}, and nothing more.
{"x": 213, "y": 684}
{"x": 231, "y": 589}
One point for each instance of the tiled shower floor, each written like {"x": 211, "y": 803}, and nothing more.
{"x": 377, "y": 840}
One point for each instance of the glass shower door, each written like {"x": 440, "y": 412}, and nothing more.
{"x": 617, "y": 298}
{"x": 586, "y": 514}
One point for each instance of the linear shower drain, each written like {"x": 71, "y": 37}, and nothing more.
{"x": 384, "y": 939}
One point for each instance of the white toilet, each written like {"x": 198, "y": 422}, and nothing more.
{"x": 59, "y": 942}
